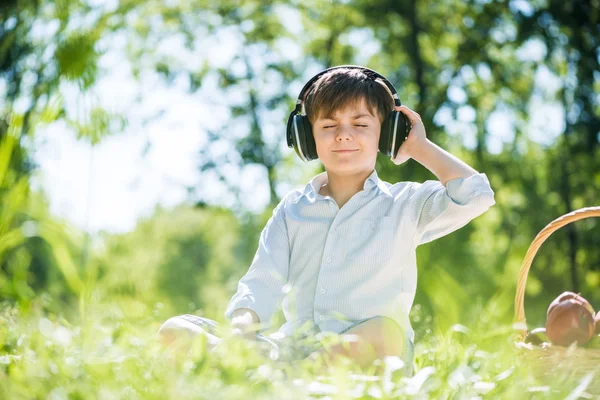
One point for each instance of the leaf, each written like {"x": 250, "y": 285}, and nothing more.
{"x": 52, "y": 110}
{"x": 9, "y": 241}
{"x": 77, "y": 58}
{"x": 7, "y": 144}
{"x": 64, "y": 261}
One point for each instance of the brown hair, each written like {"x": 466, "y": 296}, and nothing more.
{"x": 343, "y": 87}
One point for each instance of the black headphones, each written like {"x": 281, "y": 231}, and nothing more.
{"x": 394, "y": 129}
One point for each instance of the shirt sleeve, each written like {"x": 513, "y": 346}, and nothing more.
{"x": 261, "y": 288}
{"x": 437, "y": 210}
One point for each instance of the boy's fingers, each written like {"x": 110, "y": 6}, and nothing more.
{"x": 410, "y": 113}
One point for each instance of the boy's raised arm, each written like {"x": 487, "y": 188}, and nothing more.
{"x": 438, "y": 208}
{"x": 441, "y": 163}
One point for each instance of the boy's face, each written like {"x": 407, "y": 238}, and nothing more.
{"x": 355, "y": 128}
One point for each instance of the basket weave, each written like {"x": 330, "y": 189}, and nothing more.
{"x": 551, "y": 360}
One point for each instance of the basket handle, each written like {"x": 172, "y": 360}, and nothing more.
{"x": 553, "y": 226}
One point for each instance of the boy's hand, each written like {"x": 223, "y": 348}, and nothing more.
{"x": 244, "y": 333}
{"x": 244, "y": 322}
{"x": 416, "y": 136}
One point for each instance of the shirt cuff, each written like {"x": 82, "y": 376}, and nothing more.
{"x": 460, "y": 190}
{"x": 244, "y": 302}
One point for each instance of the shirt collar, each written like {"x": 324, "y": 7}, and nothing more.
{"x": 312, "y": 188}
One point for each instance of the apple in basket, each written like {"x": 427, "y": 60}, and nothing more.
{"x": 570, "y": 319}
{"x": 570, "y": 295}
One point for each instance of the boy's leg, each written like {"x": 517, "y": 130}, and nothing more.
{"x": 374, "y": 338}
{"x": 181, "y": 330}
{"x": 295, "y": 347}
{"x": 178, "y": 333}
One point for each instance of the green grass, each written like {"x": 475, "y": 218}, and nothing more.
{"x": 110, "y": 354}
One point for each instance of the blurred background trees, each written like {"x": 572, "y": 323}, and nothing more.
{"x": 511, "y": 87}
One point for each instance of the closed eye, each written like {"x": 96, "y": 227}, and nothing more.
{"x": 333, "y": 126}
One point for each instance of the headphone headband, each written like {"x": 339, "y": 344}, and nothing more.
{"x": 369, "y": 72}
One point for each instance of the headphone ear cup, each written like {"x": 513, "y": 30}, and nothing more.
{"x": 385, "y": 137}
{"x": 291, "y": 138}
{"x": 299, "y": 136}
{"x": 311, "y": 145}
{"x": 394, "y": 131}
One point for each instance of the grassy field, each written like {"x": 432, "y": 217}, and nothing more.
{"x": 111, "y": 353}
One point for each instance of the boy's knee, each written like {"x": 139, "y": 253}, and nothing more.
{"x": 388, "y": 328}
{"x": 386, "y": 335}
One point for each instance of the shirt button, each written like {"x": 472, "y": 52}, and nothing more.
{"x": 321, "y": 317}
{"x": 328, "y": 259}
{"x": 323, "y": 291}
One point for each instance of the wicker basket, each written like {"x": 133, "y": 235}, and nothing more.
{"x": 551, "y": 361}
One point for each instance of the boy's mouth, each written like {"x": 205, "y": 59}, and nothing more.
{"x": 345, "y": 151}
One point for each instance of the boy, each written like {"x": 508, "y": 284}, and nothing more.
{"x": 341, "y": 252}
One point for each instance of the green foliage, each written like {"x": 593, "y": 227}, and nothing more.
{"x": 77, "y": 58}
{"x": 112, "y": 355}
{"x": 30, "y": 241}
{"x": 181, "y": 257}
{"x": 100, "y": 124}
{"x": 77, "y": 329}
{"x": 40, "y": 50}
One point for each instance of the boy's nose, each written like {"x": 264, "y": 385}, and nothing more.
{"x": 344, "y": 133}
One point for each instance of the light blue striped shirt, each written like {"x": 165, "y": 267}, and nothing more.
{"x": 331, "y": 267}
